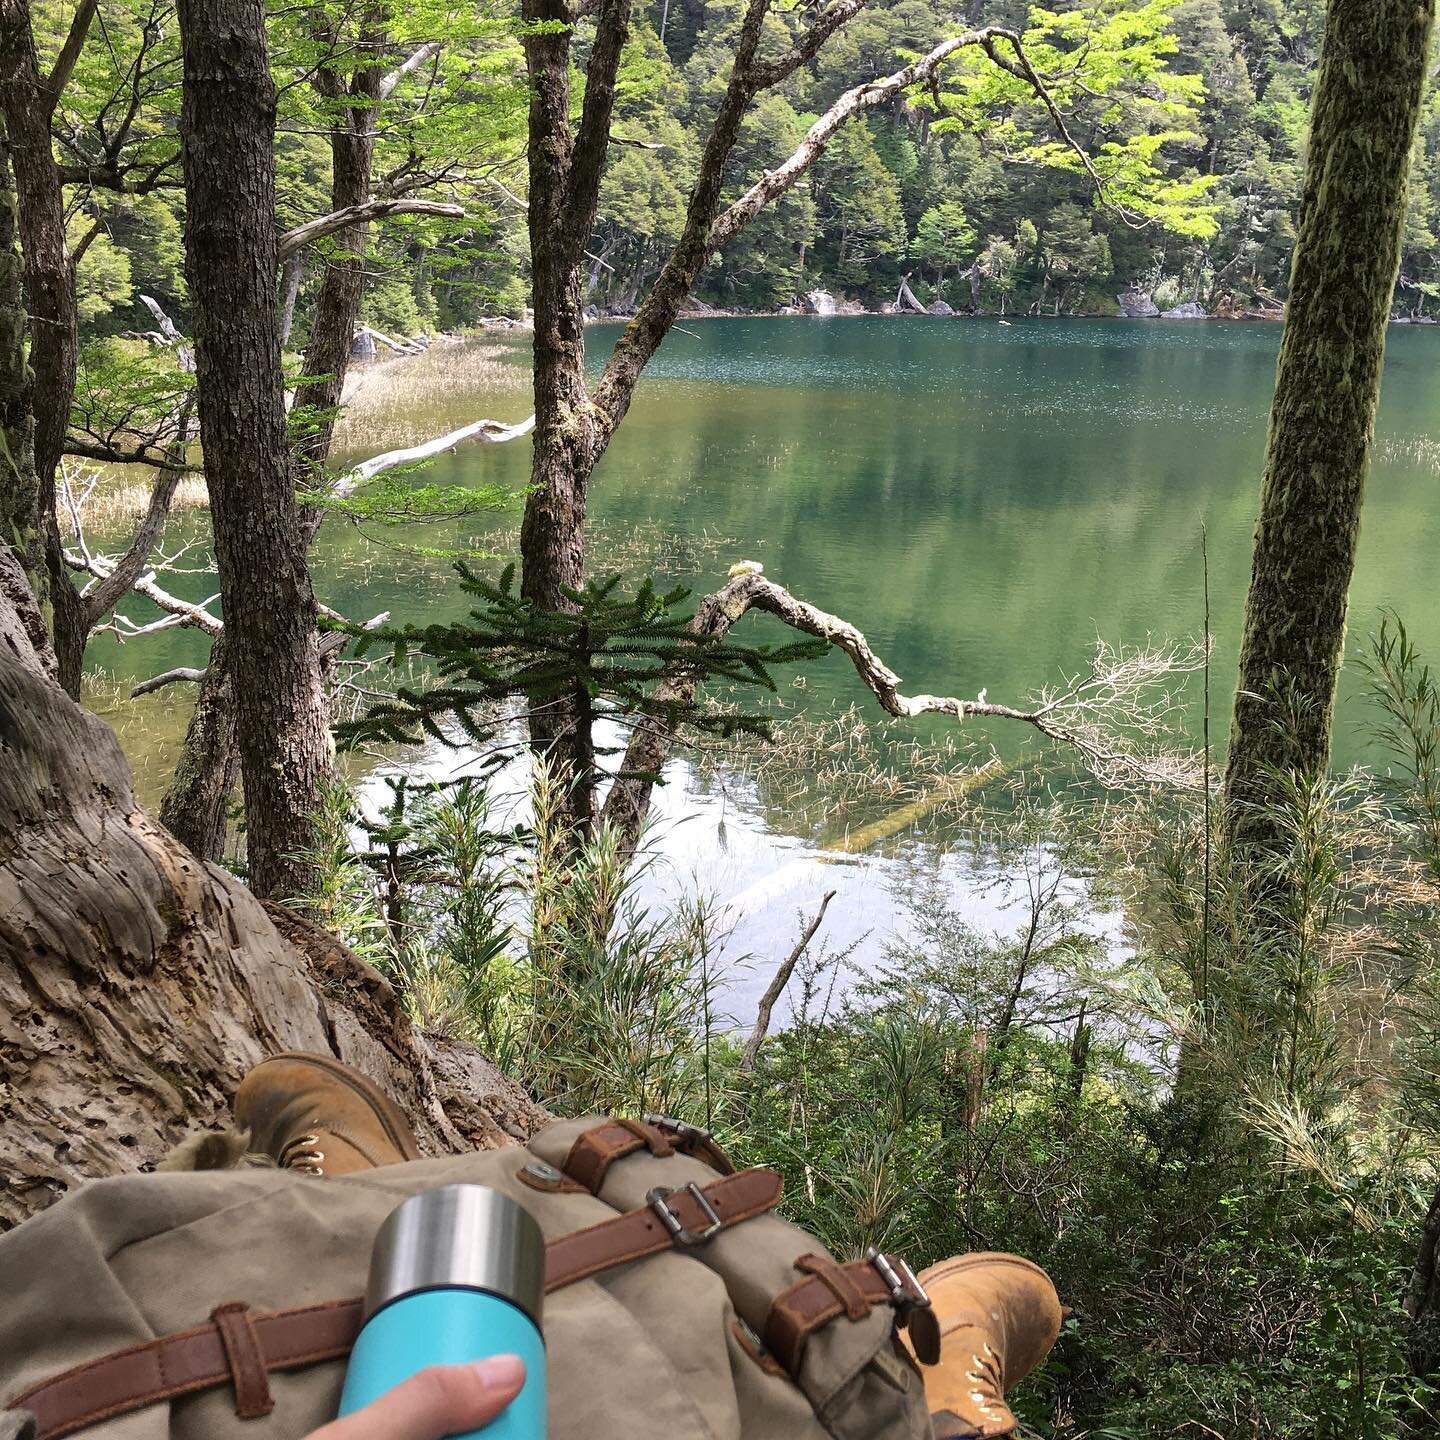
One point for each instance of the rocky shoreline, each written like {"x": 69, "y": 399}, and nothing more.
{"x": 1133, "y": 305}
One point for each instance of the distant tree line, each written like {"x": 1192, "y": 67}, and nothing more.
{"x": 960, "y": 190}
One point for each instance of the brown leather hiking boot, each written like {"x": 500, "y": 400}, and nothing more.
{"x": 998, "y": 1317}
{"x": 311, "y": 1113}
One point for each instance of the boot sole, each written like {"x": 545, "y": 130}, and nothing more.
{"x": 389, "y": 1114}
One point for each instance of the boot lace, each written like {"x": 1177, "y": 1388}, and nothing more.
{"x": 986, "y": 1375}
{"x": 300, "y": 1154}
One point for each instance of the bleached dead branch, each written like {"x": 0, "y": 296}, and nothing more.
{"x": 1113, "y": 715}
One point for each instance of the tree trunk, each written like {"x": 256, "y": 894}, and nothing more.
{"x": 569, "y": 437}
{"x": 28, "y": 103}
{"x": 21, "y": 548}
{"x": 337, "y": 308}
{"x": 19, "y": 495}
{"x": 1367, "y": 98}
{"x": 227, "y": 134}
{"x": 195, "y": 804}
{"x": 138, "y": 984}
{"x": 1422, "y": 1296}
{"x": 291, "y": 274}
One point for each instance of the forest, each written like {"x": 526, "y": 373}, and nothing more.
{"x": 493, "y": 501}
{"x": 955, "y": 190}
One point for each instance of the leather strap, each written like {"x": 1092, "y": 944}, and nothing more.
{"x": 248, "y": 1375}
{"x": 831, "y": 1274}
{"x": 818, "y": 1299}
{"x": 181, "y": 1364}
{"x": 640, "y": 1232}
{"x": 244, "y": 1348}
{"x": 596, "y": 1149}
{"x": 691, "y": 1140}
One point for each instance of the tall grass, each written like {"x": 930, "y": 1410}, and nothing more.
{"x": 543, "y": 956}
{"x": 404, "y": 399}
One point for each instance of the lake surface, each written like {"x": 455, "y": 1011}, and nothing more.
{"x": 982, "y": 500}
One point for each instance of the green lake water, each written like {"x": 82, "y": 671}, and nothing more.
{"x": 982, "y": 499}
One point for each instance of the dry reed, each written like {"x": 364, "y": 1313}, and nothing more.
{"x": 403, "y": 399}
{"x": 122, "y": 496}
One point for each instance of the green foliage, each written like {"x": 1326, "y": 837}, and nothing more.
{"x": 944, "y": 237}
{"x": 1233, "y": 1268}
{"x": 128, "y": 394}
{"x": 511, "y": 939}
{"x": 393, "y": 498}
{"x": 607, "y": 652}
{"x": 1409, "y": 728}
{"x": 1192, "y": 114}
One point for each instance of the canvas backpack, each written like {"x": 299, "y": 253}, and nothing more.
{"x": 221, "y": 1305}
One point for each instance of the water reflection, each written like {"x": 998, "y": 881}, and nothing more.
{"x": 982, "y": 500}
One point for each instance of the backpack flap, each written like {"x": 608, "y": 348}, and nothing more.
{"x": 848, "y": 1364}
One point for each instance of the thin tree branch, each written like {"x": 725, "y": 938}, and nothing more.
{"x": 488, "y": 432}
{"x": 765, "y": 75}
{"x": 169, "y": 677}
{"x": 1112, "y": 691}
{"x": 427, "y": 51}
{"x": 184, "y": 354}
{"x": 592, "y": 137}
{"x": 853, "y": 102}
{"x": 105, "y": 592}
{"x": 177, "y": 611}
{"x": 64, "y": 67}
{"x": 117, "y": 455}
{"x": 313, "y": 230}
{"x": 776, "y": 988}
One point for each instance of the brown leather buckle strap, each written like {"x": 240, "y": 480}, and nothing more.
{"x": 596, "y": 1149}
{"x": 193, "y": 1360}
{"x": 829, "y": 1291}
{"x": 244, "y": 1348}
{"x": 642, "y": 1232}
{"x": 692, "y": 1140}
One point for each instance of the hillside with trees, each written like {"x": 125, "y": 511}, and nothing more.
{"x": 962, "y": 190}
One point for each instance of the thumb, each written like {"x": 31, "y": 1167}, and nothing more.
{"x": 443, "y": 1400}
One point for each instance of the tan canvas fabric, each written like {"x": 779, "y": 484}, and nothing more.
{"x": 647, "y": 1351}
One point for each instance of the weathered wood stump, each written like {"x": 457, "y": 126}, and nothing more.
{"x": 137, "y": 983}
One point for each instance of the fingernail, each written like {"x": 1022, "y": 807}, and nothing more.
{"x": 501, "y": 1372}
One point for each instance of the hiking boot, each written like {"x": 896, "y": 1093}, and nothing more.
{"x": 313, "y": 1114}
{"x": 998, "y": 1317}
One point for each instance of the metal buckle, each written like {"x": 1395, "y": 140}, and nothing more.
{"x": 906, "y": 1291}
{"x": 689, "y": 1134}
{"x": 657, "y": 1200}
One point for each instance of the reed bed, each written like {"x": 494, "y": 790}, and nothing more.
{"x": 122, "y": 495}
{"x": 404, "y": 399}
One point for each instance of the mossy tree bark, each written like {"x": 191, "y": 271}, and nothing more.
{"x": 27, "y": 99}
{"x": 194, "y": 808}
{"x": 565, "y": 170}
{"x": 1347, "y": 254}
{"x": 271, "y": 650}
{"x": 353, "y": 107}
{"x": 19, "y": 491}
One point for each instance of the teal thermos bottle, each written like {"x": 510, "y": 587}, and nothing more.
{"x": 457, "y": 1274}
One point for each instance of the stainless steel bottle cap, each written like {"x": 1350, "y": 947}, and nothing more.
{"x": 459, "y": 1235}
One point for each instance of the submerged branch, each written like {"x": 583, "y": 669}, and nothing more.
{"x": 1099, "y": 715}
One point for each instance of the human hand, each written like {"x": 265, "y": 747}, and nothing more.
{"x": 443, "y": 1400}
